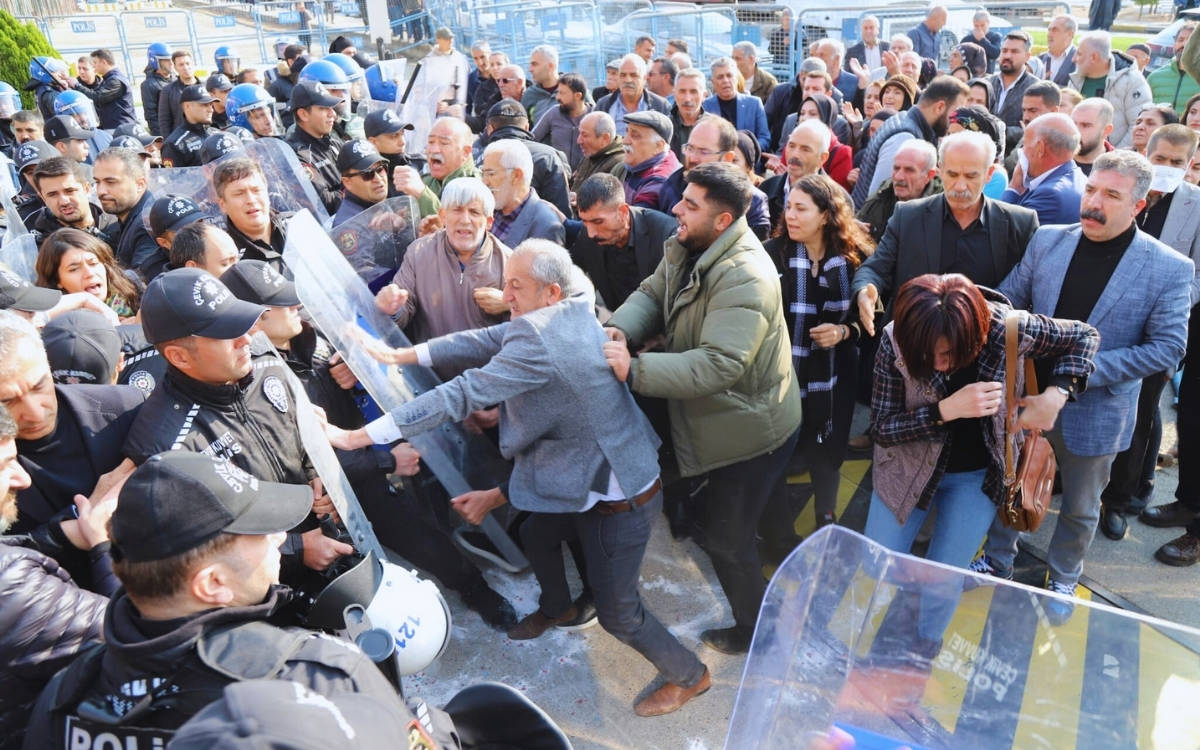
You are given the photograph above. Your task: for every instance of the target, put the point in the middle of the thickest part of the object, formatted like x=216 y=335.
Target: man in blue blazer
x=743 y=110
x=1136 y=292
x=579 y=443
x=1051 y=183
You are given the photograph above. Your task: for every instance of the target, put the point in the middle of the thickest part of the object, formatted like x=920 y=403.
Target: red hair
x=933 y=307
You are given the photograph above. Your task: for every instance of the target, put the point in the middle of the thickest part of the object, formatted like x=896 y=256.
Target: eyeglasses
x=372 y=173
x=705 y=152
x=506 y=80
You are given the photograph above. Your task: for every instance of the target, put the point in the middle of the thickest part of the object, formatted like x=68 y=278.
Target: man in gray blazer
x=507 y=170
x=1136 y=292
x=580 y=445
x=1059 y=58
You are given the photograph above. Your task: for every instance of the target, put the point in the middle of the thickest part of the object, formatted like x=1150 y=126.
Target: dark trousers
x=1188 y=489
x=733 y=503
x=1129 y=488
x=542 y=537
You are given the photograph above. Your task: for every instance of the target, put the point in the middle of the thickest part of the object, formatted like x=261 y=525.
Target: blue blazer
x=750 y=116
x=1142 y=317
x=1056 y=199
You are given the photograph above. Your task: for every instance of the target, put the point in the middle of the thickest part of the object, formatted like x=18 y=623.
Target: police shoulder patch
x=143 y=381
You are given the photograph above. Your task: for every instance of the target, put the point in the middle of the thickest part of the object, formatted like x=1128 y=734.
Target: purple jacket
x=646 y=183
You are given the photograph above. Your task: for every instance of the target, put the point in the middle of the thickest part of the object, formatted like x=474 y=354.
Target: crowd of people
x=660 y=292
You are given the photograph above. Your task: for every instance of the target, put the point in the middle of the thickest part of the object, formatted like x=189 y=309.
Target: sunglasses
x=372 y=173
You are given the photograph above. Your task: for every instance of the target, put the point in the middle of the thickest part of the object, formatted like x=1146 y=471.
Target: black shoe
x=1180 y=552
x=493 y=608
x=1166 y=516
x=585 y=615
x=1113 y=524
x=733 y=640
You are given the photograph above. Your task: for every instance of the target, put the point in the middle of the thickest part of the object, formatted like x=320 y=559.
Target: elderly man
x=924 y=35
x=541 y=97
x=726 y=373
x=1102 y=71
x=450 y=280
x=1059 y=57
x=603 y=150
x=805 y=152
x=649 y=161
x=511 y=81
x=982 y=35
x=364 y=179
x=927 y=120
x=914 y=175
x=1171 y=84
x=660 y=79
x=1010 y=82
x=508 y=120
x=547 y=370
x=1136 y=292
x=714 y=139
x=559 y=126
x=631 y=94
x=760 y=82
x=869 y=48
x=507 y=170
x=485 y=91
x=690 y=92
x=448 y=152
x=832 y=52
x=480 y=51
x=120 y=177
x=1051 y=184
x=743 y=110
x=1094 y=119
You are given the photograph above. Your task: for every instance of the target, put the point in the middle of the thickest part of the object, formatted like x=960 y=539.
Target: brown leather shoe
x=1180 y=552
x=671 y=697
x=535 y=623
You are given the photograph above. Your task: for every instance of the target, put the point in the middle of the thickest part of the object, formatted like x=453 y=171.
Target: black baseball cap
x=196 y=93
x=192 y=302
x=285 y=715
x=31 y=153
x=218 y=82
x=656 y=121
x=357 y=156
x=136 y=130
x=64 y=128
x=257 y=282
x=18 y=294
x=312 y=94
x=82 y=347
x=218 y=144
x=507 y=108
x=178 y=500
x=384 y=121
x=128 y=142
x=172 y=213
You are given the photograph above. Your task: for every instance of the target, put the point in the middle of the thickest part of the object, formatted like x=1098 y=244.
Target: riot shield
x=374 y=241
x=338 y=300
x=18 y=249
x=839 y=660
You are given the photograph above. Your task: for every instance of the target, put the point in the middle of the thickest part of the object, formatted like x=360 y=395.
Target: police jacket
x=45 y=621
x=320 y=156
x=8 y=141
x=550 y=170
x=28 y=203
x=251 y=423
x=149 y=677
x=133 y=244
x=113 y=99
x=182 y=147
x=45 y=94
x=152 y=88
x=268 y=252
x=281 y=89
x=170 y=107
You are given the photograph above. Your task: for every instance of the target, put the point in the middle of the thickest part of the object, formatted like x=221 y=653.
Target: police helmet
x=77 y=106
x=42 y=68
x=10 y=101
x=156 y=53
x=241 y=104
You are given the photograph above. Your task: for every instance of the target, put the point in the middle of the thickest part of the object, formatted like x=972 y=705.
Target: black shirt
x=58 y=464
x=1152 y=219
x=729 y=109
x=1088 y=274
x=967 y=449
x=967 y=251
x=623 y=275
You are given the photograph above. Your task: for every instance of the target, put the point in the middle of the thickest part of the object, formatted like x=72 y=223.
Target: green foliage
x=20 y=42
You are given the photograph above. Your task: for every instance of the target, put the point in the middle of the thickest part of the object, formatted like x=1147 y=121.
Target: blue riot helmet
x=334 y=78
x=42 y=69
x=354 y=73
x=227 y=61
x=78 y=107
x=157 y=54
x=10 y=101
x=251 y=107
x=379 y=88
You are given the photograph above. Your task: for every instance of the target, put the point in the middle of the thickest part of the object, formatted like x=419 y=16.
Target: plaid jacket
x=910 y=436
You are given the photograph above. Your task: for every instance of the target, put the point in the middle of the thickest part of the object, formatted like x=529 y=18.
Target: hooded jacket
x=1126 y=89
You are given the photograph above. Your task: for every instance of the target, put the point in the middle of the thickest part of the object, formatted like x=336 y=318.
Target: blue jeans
x=964 y=513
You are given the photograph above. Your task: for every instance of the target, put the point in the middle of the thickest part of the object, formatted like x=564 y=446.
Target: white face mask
x=1166 y=179
x=1023 y=160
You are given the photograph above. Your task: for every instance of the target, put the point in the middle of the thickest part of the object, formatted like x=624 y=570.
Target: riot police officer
x=313 y=141
x=182 y=147
x=200 y=592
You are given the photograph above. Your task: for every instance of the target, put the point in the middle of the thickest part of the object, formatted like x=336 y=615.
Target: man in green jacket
x=1171 y=84
x=725 y=369
x=448 y=152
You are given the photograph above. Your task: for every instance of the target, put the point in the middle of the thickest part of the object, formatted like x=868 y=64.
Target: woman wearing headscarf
x=899 y=93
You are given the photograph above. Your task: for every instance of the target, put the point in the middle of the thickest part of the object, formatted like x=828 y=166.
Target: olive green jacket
x=431 y=197
x=727 y=366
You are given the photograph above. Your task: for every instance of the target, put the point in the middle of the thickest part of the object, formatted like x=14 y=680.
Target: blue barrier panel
x=289 y=16
x=83 y=27
x=156 y=22
x=554 y=21
x=224 y=22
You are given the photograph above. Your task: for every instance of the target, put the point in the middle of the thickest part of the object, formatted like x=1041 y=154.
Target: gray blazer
x=565 y=420
x=1142 y=317
x=1182 y=229
x=538 y=219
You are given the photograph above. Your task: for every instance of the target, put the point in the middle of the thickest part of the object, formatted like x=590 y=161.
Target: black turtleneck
x=1088 y=274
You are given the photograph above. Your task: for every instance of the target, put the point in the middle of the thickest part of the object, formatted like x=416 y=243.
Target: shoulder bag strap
x=1010 y=395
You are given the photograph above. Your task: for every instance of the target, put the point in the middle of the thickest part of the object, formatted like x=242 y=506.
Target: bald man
x=1048 y=181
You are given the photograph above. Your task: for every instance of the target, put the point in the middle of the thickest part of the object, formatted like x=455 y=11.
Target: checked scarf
x=814 y=365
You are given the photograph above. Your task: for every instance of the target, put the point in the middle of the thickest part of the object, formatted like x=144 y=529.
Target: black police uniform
x=151 y=676
x=182 y=147
x=320 y=156
x=269 y=252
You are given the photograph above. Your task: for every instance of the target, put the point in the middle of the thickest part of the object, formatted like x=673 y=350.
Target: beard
x=1007 y=68
x=8 y=511
x=942 y=125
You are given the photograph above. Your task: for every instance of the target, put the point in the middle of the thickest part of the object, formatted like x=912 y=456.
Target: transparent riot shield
x=374 y=241
x=337 y=299
x=860 y=647
x=420 y=109
x=18 y=250
x=288 y=183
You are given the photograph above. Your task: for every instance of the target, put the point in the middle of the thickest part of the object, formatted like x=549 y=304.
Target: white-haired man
x=519 y=214
x=743 y=110
x=1102 y=71
x=631 y=94
x=760 y=82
